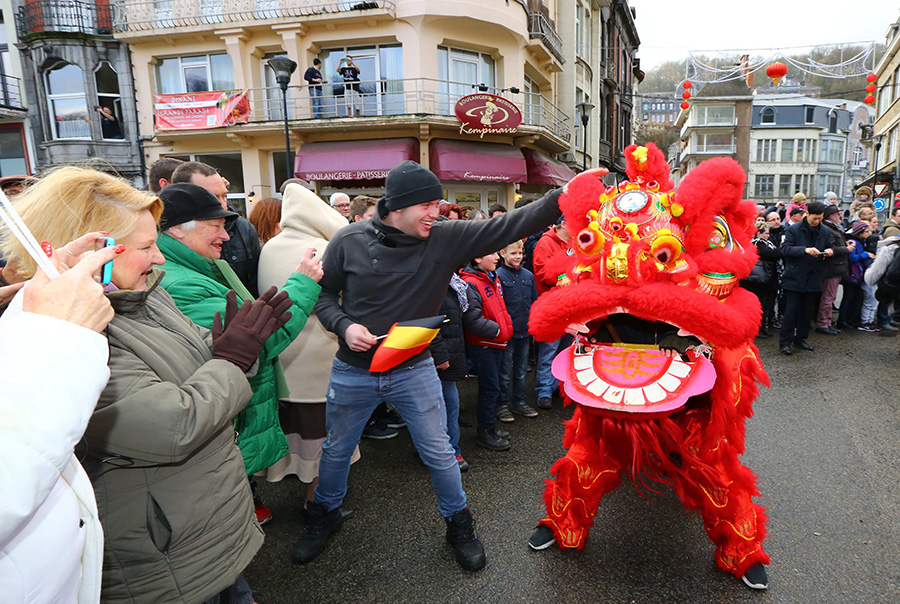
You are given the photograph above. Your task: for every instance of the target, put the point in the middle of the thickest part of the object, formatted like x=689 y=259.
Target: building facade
x=716 y=124
x=659 y=108
x=799 y=144
x=885 y=137
x=415 y=59
x=16 y=143
x=72 y=67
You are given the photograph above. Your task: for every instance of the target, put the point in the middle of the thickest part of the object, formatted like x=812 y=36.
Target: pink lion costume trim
x=664 y=371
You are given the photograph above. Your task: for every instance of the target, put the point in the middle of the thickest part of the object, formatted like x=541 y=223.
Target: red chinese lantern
x=687 y=84
x=776 y=70
x=685 y=105
x=870 y=88
x=869 y=99
x=685 y=95
x=871 y=77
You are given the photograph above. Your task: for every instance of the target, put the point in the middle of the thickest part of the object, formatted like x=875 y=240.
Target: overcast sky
x=669 y=29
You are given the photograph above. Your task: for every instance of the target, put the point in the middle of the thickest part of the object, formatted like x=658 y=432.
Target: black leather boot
x=461 y=536
x=322 y=525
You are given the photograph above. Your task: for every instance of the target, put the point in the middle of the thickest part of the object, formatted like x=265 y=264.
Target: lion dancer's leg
x=583 y=477
x=733 y=521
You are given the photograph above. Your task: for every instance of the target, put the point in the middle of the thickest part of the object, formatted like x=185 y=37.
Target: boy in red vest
x=486 y=302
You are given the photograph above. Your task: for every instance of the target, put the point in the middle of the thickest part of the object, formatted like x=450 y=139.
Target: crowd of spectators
x=824 y=268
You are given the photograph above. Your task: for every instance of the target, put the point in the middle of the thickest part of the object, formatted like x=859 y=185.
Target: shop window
x=381 y=85
x=67 y=102
x=461 y=72
x=197 y=73
x=109 y=101
x=12 y=151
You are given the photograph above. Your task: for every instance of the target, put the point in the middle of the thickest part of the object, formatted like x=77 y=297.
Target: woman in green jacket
x=193 y=224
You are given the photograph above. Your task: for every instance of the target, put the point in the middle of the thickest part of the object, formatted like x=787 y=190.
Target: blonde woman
x=159 y=448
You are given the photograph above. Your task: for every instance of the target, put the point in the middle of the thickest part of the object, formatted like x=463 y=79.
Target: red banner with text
x=201 y=110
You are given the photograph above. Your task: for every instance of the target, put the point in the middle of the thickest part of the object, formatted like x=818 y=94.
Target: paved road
x=825 y=442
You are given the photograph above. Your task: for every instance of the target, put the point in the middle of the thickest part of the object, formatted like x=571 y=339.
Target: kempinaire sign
x=482 y=114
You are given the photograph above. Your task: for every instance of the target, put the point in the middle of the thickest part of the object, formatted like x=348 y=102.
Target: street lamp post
x=283 y=68
x=585 y=109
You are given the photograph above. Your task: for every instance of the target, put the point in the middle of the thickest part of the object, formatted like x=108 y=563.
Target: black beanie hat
x=184 y=201
x=409 y=184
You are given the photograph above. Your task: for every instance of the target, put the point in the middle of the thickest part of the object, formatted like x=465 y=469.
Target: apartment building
x=716 y=124
x=71 y=67
x=659 y=108
x=800 y=144
x=16 y=144
x=416 y=60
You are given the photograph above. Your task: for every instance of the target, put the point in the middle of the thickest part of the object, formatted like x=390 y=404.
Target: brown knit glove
x=247 y=328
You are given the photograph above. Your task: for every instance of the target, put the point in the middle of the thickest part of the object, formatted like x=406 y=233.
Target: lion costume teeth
x=664 y=371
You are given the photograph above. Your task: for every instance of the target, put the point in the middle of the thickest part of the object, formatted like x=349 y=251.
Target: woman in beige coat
x=306 y=221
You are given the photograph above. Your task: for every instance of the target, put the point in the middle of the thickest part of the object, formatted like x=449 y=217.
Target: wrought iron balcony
x=64 y=16
x=384 y=98
x=145 y=15
x=10 y=93
x=541 y=28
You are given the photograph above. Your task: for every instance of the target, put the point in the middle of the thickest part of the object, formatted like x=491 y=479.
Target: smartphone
x=106 y=273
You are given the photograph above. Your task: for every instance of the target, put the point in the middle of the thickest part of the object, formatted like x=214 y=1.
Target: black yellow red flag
x=404 y=340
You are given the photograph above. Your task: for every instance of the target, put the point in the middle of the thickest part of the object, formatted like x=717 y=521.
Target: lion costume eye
x=721 y=235
x=666 y=249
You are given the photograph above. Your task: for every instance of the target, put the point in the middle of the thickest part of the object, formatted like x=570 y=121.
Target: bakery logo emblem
x=482 y=114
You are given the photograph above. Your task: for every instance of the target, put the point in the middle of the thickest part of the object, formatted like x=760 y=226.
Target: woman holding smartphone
x=159 y=448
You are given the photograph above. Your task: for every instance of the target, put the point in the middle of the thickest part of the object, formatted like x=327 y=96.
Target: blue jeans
x=451 y=402
x=487 y=362
x=545 y=383
x=315 y=93
x=883 y=314
x=515 y=364
x=415 y=392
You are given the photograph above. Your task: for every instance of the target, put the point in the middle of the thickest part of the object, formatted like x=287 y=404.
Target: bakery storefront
x=474 y=173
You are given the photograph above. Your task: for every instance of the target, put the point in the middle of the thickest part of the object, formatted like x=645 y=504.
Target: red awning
x=481 y=162
x=544 y=170
x=353 y=160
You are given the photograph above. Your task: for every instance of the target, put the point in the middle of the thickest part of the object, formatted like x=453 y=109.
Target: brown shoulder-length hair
x=266 y=216
x=446 y=208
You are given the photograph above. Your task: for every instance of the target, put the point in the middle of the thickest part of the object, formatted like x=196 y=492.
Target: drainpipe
x=137 y=122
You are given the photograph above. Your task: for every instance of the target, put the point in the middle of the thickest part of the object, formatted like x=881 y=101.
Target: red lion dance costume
x=663 y=370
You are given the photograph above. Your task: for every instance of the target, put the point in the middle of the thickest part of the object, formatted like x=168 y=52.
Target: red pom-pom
x=685 y=95
x=869 y=99
x=687 y=84
x=870 y=88
x=871 y=77
x=685 y=105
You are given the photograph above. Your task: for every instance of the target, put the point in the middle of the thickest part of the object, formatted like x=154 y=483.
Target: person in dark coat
x=776 y=236
x=806 y=245
x=837 y=266
x=449 y=352
x=763 y=279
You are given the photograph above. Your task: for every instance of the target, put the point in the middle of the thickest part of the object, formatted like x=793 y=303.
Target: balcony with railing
x=11 y=93
x=542 y=28
x=40 y=17
x=142 y=16
x=383 y=103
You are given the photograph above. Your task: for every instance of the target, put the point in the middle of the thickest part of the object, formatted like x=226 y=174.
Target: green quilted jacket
x=199 y=285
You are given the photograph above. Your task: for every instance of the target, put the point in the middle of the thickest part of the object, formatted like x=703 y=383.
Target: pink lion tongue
x=632 y=380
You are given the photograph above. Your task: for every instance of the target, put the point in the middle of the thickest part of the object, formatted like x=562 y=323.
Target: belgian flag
x=405 y=340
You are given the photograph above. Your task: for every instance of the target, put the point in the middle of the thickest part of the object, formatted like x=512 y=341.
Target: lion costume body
x=663 y=370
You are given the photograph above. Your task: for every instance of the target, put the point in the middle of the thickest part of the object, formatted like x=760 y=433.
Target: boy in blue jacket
x=520 y=292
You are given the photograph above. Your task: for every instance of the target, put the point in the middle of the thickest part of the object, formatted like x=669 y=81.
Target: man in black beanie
x=397 y=267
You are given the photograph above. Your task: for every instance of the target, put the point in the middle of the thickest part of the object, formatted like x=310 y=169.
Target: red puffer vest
x=493 y=307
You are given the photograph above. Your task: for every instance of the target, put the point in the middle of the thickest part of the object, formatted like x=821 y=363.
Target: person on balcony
x=350 y=72
x=313 y=77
